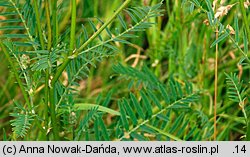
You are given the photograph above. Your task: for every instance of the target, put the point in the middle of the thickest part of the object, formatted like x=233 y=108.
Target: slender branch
x=73 y=27
x=38 y=24
x=115 y=37
x=72 y=43
x=47 y=70
x=51 y=92
x=103 y=26
x=54 y=21
x=216 y=84
x=38 y=124
x=16 y=74
x=72 y=37
x=46 y=103
x=156 y=112
x=239 y=48
x=48 y=24
x=25 y=75
x=55 y=128
x=163 y=132
x=230 y=36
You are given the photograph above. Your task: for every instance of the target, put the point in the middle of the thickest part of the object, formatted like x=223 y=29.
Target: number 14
x=240 y=149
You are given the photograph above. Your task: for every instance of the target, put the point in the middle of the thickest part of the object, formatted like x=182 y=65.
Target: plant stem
x=26 y=98
x=54 y=21
x=77 y=51
x=44 y=137
x=156 y=112
x=72 y=36
x=216 y=84
x=67 y=60
x=73 y=26
x=64 y=22
x=103 y=26
x=38 y=24
x=48 y=24
x=49 y=32
x=55 y=128
x=164 y=133
x=72 y=44
x=46 y=99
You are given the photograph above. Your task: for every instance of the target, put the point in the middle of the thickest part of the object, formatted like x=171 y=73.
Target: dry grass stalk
x=223 y=10
x=232 y=31
x=246 y=4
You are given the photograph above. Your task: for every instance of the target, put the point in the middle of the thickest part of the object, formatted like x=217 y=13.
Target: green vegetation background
x=176 y=47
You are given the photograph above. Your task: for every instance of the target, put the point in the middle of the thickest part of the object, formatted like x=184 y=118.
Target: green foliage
x=22 y=122
x=235 y=91
x=24 y=20
x=34 y=60
x=84 y=124
x=148 y=114
x=64 y=66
